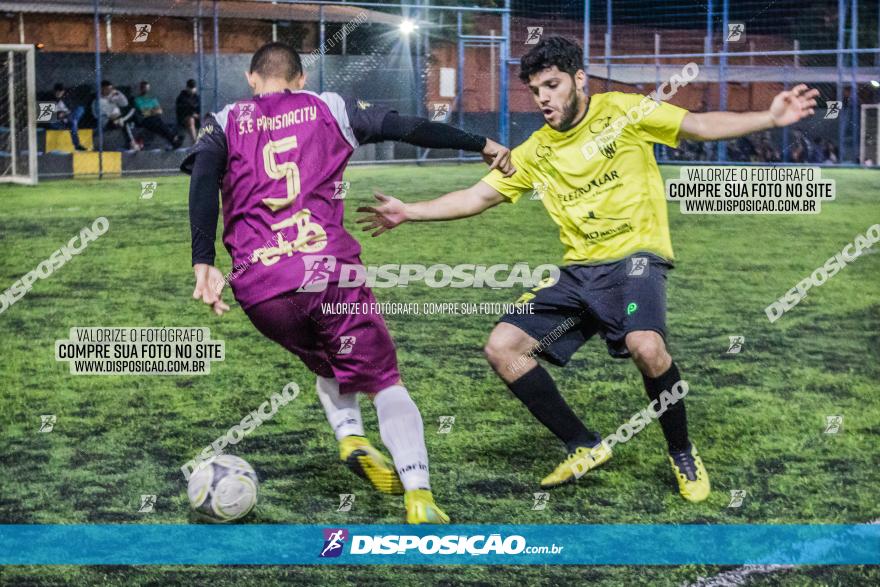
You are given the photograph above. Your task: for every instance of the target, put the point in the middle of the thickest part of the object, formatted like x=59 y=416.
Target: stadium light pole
x=98 y=90
x=853 y=84
x=608 y=25
x=841 y=18
x=710 y=14
x=459 y=79
x=504 y=119
x=322 y=33
x=216 y=56
x=587 y=46
x=722 y=72
x=200 y=47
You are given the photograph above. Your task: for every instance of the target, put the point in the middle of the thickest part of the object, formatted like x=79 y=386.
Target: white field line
x=740 y=575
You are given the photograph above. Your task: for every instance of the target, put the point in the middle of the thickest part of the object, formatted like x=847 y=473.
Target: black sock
x=538 y=392
x=674 y=420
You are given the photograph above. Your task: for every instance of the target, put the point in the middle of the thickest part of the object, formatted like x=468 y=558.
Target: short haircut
x=59 y=86
x=278 y=60
x=105 y=83
x=566 y=55
x=190 y=83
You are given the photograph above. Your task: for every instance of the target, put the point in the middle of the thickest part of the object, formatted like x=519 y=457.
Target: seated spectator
x=115 y=112
x=149 y=116
x=67 y=118
x=188 y=109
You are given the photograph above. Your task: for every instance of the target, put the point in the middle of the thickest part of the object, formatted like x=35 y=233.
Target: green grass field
x=758 y=416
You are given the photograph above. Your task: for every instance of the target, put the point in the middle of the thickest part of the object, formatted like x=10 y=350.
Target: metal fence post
x=722 y=73
x=98 y=91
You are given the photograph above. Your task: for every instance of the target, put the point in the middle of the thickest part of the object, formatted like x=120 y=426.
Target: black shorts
x=611 y=300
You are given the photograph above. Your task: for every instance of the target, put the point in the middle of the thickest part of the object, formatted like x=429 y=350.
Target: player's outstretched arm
x=787 y=108
x=391 y=212
x=371 y=124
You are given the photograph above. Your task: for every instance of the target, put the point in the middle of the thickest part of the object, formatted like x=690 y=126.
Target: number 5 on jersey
x=288 y=170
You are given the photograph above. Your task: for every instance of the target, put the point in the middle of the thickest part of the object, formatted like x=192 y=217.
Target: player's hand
x=209 y=287
x=498 y=157
x=793 y=105
x=386 y=215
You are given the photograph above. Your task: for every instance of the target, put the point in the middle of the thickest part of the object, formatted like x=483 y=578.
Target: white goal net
x=18 y=117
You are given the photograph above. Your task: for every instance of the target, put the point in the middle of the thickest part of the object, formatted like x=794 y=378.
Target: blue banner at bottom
x=147 y=544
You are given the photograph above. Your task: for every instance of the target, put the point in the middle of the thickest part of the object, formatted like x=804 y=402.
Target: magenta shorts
x=337 y=332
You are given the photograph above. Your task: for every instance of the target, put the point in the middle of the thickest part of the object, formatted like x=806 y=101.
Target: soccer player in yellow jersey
x=607 y=197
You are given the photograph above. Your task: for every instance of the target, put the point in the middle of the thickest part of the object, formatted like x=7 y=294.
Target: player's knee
x=649 y=352
x=505 y=345
x=495 y=351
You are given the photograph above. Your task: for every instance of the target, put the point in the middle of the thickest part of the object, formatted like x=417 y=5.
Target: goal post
x=18 y=115
x=869 y=141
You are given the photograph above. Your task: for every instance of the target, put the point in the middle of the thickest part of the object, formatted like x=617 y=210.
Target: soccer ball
x=223 y=488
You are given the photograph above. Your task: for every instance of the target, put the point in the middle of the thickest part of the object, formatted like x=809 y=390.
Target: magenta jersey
x=282 y=208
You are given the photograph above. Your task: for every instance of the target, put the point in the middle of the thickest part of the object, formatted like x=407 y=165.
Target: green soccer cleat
x=366 y=461
x=579 y=462
x=421 y=509
x=693 y=480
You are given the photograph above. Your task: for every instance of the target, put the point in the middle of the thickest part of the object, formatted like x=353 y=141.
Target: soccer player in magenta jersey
x=608 y=201
x=278 y=159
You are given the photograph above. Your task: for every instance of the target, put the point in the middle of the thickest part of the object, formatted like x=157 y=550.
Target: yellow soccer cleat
x=579 y=462
x=421 y=509
x=366 y=461
x=693 y=480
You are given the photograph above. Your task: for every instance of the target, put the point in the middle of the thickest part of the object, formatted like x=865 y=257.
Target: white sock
x=400 y=425
x=342 y=409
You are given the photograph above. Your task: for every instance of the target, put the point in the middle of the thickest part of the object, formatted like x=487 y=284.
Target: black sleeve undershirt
x=424 y=133
x=204 y=204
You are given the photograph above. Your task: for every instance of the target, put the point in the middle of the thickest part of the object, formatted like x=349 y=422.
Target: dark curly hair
x=567 y=55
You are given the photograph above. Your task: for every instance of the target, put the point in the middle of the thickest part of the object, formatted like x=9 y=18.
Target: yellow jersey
x=606 y=196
